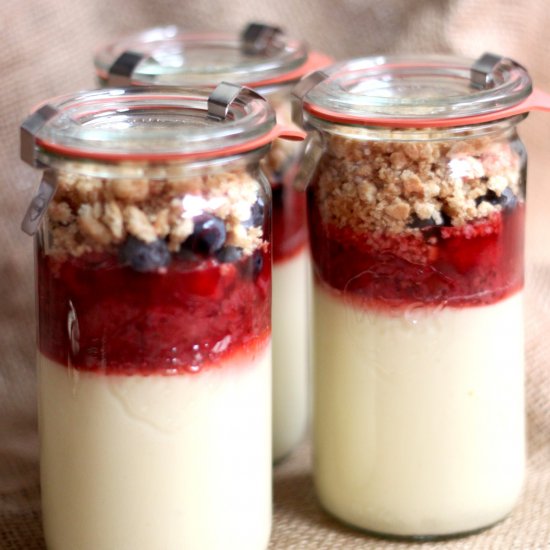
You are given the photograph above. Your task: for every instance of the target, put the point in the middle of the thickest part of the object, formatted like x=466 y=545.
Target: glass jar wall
x=417 y=246
x=154 y=328
x=418 y=424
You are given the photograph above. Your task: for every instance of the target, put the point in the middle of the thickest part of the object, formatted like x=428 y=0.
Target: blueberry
x=143 y=256
x=418 y=223
x=229 y=254
x=447 y=220
x=256 y=214
x=507 y=199
x=257 y=261
x=208 y=236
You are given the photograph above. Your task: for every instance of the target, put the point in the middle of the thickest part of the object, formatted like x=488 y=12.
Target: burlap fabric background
x=46 y=50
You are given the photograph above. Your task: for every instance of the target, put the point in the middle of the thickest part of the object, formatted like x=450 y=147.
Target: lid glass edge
x=398 y=89
x=151 y=124
x=255 y=70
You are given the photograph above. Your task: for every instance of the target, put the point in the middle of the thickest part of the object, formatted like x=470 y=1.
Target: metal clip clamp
x=121 y=71
x=482 y=71
x=48 y=184
x=39 y=202
x=299 y=92
x=224 y=95
x=258 y=38
x=28 y=131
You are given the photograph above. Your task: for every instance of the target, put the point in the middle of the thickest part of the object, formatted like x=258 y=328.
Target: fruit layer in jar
x=140 y=276
x=437 y=223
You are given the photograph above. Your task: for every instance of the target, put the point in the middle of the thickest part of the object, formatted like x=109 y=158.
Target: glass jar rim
x=171 y=56
x=149 y=124
x=421 y=91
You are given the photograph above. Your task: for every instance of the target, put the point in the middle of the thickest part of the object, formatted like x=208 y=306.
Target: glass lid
x=412 y=90
x=171 y=56
x=149 y=123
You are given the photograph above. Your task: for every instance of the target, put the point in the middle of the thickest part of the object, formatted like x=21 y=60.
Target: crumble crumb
x=112 y=217
x=91 y=227
x=138 y=224
x=132 y=190
x=61 y=213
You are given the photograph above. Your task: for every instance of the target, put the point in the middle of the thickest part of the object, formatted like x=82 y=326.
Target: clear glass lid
x=416 y=88
x=149 y=123
x=172 y=56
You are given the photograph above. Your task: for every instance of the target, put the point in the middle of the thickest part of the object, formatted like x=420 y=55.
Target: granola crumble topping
x=94 y=214
x=392 y=186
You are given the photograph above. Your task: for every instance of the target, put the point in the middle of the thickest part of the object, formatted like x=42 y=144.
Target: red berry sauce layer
x=289 y=218
x=478 y=263
x=98 y=315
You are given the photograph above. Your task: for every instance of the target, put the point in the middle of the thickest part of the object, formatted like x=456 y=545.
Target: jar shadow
x=297 y=512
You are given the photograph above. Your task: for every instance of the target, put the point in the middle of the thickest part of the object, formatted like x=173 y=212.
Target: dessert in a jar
x=153 y=250
x=416 y=218
x=271 y=62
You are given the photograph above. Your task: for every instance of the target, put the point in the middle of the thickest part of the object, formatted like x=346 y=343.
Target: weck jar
x=266 y=59
x=416 y=218
x=153 y=276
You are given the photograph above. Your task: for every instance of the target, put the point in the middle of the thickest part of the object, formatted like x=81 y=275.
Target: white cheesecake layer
x=156 y=462
x=418 y=418
x=290 y=362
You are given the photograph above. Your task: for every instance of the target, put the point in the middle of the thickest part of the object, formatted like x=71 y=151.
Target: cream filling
x=290 y=362
x=419 y=417
x=156 y=462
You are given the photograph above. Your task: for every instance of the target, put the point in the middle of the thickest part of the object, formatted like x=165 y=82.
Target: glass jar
x=416 y=219
x=154 y=334
x=270 y=62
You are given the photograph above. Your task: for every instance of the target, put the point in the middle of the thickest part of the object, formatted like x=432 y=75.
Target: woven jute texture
x=46 y=50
